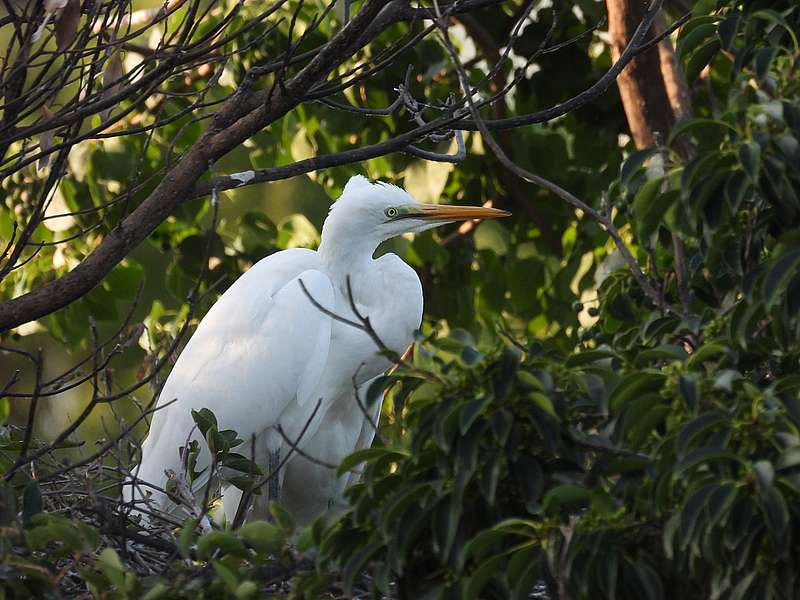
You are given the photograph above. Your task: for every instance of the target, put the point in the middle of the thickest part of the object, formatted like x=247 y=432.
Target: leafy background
x=557 y=432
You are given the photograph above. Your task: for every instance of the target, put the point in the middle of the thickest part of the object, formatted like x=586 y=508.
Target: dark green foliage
x=660 y=458
x=639 y=473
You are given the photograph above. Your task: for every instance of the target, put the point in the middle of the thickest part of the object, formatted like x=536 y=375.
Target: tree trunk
x=655 y=97
x=653 y=90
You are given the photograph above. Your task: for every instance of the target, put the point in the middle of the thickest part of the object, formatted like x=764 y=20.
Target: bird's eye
x=391 y=212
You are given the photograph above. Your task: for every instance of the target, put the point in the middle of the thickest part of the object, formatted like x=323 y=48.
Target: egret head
x=375 y=212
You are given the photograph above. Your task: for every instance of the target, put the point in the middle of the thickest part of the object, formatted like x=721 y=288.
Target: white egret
x=265 y=356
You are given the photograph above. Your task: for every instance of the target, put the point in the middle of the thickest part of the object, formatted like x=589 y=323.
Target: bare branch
x=460 y=154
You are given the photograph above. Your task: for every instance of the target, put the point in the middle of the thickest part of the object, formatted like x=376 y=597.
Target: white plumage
x=264 y=355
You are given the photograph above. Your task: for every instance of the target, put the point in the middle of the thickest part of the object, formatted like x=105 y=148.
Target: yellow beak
x=442 y=212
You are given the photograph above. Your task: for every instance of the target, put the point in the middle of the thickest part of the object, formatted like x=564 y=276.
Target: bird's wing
x=255 y=353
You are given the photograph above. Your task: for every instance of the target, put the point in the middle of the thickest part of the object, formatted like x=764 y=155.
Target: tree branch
x=236 y=121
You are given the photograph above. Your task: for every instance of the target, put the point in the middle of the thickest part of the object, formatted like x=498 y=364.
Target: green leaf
x=446 y=519
x=178 y=282
x=649 y=206
x=649 y=581
x=204 y=419
x=157 y=592
x=698 y=126
x=668 y=535
x=282 y=516
x=31 y=502
x=704 y=456
x=706 y=352
x=607 y=574
x=296 y=231
x=765 y=475
x=589 y=356
x=779 y=275
x=481 y=576
x=377 y=389
x=48 y=528
x=246 y=589
x=264 y=537
x=744 y=320
x=652 y=413
x=490 y=477
x=727 y=30
x=356 y=564
x=238 y=462
x=775 y=17
x=8 y=505
x=694 y=428
x=633 y=163
x=215 y=441
x=224 y=542
x=687 y=385
x=257 y=233
x=739 y=592
x=468 y=446
x=691 y=512
x=227 y=574
x=776 y=512
x=750 y=157
x=5 y=410
x=101 y=304
x=763 y=60
x=186 y=537
x=124 y=279
x=469 y=412
x=502 y=422
x=669 y=352
x=700 y=59
x=480 y=545
x=789 y=459
x=111 y=566
x=368 y=455
x=564 y=494
x=700 y=18
x=529 y=473
x=523 y=571
x=397 y=506
x=491 y=235
x=720 y=503
x=543 y=402
x=689 y=42
x=792 y=406
x=470 y=356
x=633 y=385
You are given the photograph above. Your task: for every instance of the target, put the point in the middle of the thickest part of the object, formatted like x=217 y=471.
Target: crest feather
x=355 y=182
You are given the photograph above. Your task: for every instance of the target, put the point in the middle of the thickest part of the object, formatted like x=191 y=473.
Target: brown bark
x=653 y=90
x=674 y=82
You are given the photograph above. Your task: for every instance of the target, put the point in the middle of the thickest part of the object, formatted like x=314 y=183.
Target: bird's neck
x=352 y=259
